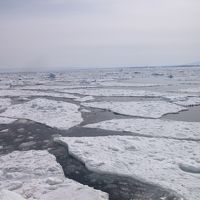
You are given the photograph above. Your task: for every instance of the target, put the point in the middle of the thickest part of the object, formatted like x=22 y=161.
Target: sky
x=63 y=34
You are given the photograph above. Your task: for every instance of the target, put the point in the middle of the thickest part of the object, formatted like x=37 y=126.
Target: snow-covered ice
x=9 y=195
x=151 y=109
x=153 y=160
x=152 y=127
x=56 y=114
x=35 y=175
x=4 y=103
x=191 y=90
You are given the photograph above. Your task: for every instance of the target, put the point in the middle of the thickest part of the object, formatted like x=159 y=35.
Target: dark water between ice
x=190 y=115
x=31 y=135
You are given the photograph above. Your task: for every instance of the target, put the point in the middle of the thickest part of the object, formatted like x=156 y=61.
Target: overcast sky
x=61 y=34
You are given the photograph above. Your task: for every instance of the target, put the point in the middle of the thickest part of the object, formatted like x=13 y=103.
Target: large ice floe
x=35 y=175
x=58 y=114
x=151 y=109
x=4 y=103
x=152 y=127
x=172 y=164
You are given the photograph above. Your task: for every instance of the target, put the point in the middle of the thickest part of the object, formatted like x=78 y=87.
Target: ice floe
x=35 y=175
x=190 y=101
x=154 y=160
x=9 y=195
x=152 y=127
x=83 y=99
x=151 y=109
x=4 y=103
x=56 y=114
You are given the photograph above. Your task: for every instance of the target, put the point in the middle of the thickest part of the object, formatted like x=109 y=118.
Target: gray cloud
x=85 y=33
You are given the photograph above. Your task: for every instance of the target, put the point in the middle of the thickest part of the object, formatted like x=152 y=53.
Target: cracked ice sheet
x=27 y=93
x=152 y=160
x=35 y=175
x=152 y=109
x=58 y=114
x=152 y=127
x=4 y=103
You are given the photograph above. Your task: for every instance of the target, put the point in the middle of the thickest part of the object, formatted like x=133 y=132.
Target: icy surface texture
x=36 y=175
x=4 y=103
x=153 y=160
x=58 y=114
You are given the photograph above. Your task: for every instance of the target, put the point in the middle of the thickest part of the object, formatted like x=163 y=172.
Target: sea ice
x=190 y=101
x=153 y=160
x=83 y=99
x=4 y=103
x=191 y=90
x=151 y=109
x=56 y=114
x=152 y=127
x=28 y=93
x=35 y=175
x=9 y=195
x=112 y=92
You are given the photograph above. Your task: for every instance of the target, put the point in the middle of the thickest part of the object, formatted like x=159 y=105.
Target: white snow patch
x=152 y=160
x=56 y=114
x=35 y=175
x=9 y=195
x=152 y=109
x=152 y=127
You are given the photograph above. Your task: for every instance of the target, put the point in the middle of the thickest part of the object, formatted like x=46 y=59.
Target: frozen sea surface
x=169 y=163
x=164 y=152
